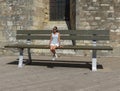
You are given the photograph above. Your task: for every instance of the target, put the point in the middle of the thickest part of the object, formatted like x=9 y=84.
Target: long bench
x=94 y=36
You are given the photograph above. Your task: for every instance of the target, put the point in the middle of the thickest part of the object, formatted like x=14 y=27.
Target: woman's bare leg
x=52 y=49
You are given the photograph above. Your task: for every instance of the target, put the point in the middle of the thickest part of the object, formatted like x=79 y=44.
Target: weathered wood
x=29 y=61
x=65 y=34
x=75 y=37
x=81 y=47
x=83 y=32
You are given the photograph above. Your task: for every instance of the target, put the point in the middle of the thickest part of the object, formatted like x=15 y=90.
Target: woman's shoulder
x=58 y=32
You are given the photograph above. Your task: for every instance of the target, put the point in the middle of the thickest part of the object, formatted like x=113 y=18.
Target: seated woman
x=54 y=41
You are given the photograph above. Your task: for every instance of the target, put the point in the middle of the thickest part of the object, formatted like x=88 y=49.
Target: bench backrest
x=65 y=34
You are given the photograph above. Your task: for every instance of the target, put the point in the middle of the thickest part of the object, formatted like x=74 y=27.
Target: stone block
x=97 y=18
x=94 y=0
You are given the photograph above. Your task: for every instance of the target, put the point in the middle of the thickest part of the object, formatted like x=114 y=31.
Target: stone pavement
x=69 y=77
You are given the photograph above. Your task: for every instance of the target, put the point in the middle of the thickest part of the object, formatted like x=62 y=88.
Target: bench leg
x=29 y=57
x=20 y=64
x=94 y=61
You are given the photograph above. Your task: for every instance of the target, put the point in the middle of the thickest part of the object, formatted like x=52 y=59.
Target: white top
x=55 y=38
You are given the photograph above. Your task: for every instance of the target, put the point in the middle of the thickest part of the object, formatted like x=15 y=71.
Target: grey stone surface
x=37 y=77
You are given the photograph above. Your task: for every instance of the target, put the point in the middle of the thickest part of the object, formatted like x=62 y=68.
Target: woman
x=54 y=41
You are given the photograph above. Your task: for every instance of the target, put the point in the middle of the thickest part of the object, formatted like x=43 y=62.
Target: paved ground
x=75 y=76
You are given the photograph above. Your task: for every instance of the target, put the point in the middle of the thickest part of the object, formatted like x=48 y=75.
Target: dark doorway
x=59 y=10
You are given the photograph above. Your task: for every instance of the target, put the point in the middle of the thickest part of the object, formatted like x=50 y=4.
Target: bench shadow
x=59 y=63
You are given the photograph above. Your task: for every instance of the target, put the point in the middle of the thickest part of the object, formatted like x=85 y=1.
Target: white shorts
x=54 y=45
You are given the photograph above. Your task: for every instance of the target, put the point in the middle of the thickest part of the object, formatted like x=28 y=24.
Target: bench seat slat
x=83 y=32
x=80 y=37
x=25 y=32
x=85 y=47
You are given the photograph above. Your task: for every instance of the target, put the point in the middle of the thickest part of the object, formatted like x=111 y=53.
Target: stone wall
x=20 y=15
x=34 y=14
x=100 y=15
x=41 y=13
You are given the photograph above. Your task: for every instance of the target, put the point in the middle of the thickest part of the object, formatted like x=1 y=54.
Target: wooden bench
x=90 y=35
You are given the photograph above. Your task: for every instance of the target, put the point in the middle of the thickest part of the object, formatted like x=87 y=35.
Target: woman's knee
x=52 y=49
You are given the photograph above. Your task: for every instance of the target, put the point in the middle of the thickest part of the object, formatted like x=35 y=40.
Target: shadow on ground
x=59 y=63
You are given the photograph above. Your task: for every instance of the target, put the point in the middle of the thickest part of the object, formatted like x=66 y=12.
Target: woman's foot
x=56 y=56
x=53 y=57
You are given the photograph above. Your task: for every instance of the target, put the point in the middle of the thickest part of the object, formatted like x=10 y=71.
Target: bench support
x=94 y=57
x=20 y=64
x=29 y=61
x=94 y=61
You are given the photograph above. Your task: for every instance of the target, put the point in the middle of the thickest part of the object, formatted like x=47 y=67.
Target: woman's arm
x=50 y=39
x=59 y=38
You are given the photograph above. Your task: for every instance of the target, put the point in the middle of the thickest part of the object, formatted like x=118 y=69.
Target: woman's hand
x=60 y=46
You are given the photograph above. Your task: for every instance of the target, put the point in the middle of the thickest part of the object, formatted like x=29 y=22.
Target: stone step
x=60 y=24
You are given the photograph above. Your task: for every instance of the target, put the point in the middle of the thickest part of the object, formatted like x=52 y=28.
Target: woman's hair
x=55 y=27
